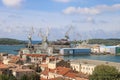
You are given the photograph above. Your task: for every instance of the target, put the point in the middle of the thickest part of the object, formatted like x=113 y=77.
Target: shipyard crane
x=88 y=38
x=78 y=35
x=44 y=37
x=67 y=33
x=31 y=32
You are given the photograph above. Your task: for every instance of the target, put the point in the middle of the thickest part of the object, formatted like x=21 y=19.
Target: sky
x=88 y=18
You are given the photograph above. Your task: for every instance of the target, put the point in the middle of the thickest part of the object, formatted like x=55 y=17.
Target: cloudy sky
x=89 y=18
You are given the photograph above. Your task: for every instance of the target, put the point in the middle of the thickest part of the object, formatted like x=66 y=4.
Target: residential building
x=19 y=72
x=87 y=68
x=50 y=59
x=75 y=66
x=43 y=66
x=4 y=69
x=53 y=73
x=82 y=67
x=34 y=58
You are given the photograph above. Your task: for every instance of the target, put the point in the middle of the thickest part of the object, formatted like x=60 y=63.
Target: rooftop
x=44 y=65
x=19 y=69
x=36 y=55
x=70 y=75
x=3 y=66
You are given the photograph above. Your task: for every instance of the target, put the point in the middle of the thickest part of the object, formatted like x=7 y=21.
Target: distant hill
x=105 y=41
x=8 y=41
x=114 y=39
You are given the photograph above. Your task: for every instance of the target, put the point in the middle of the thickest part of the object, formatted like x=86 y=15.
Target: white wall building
x=83 y=67
x=108 y=49
x=52 y=65
x=76 y=66
x=6 y=61
x=87 y=68
x=95 y=49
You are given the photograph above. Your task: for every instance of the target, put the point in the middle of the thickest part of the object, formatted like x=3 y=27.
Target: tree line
x=8 y=41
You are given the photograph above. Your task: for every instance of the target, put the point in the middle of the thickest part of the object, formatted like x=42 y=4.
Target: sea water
x=13 y=49
x=111 y=58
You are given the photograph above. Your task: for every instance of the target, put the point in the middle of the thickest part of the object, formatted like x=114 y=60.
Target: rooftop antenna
x=31 y=32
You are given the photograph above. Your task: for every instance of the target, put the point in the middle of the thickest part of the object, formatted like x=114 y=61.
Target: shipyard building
x=75 y=51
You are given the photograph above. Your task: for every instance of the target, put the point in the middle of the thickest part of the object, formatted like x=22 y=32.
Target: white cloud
x=70 y=10
x=12 y=3
x=64 y=1
x=90 y=19
x=7 y=30
x=92 y=10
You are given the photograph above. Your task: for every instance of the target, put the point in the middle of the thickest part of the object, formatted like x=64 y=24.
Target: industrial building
x=110 y=49
x=75 y=51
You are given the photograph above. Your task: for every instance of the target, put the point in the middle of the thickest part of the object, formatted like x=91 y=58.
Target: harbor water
x=13 y=49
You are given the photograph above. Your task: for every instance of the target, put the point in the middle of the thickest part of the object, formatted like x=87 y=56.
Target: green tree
x=105 y=72
x=4 y=77
x=12 y=77
x=7 y=77
x=24 y=77
x=34 y=77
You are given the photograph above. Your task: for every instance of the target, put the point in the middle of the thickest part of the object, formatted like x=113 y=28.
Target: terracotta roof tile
x=70 y=75
x=3 y=66
x=51 y=79
x=22 y=70
x=43 y=79
x=59 y=70
x=36 y=55
x=44 y=65
x=62 y=70
x=45 y=72
x=1 y=62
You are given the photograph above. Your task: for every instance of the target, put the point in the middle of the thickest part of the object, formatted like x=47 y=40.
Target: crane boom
x=67 y=33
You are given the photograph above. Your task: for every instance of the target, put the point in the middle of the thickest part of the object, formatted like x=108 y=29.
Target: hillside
x=8 y=41
x=105 y=41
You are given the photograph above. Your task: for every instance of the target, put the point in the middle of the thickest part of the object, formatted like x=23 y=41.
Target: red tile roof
x=15 y=57
x=45 y=72
x=50 y=79
x=55 y=78
x=3 y=66
x=44 y=65
x=78 y=78
x=36 y=55
x=58 y=70
x=1 y=62
x=62 y=70
x=43 y=79
x=70 y=75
